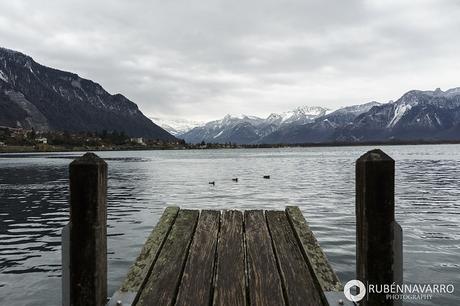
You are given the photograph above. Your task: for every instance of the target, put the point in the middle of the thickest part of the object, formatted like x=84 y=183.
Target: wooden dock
x=229 y=257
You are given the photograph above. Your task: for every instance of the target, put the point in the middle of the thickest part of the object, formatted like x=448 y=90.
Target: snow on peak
x=176 y=126
x=452 y=92
x=8 y=51
x=438 y=92
x=273 y=116
x=310 y=110
x=240 y=117
x=218 y=134
x=232 y=119
x=358 y=109
x=3 y=76
x=399 y=111
x=302 y=114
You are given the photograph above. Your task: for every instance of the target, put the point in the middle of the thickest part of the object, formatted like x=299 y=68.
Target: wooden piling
x=88 y=231
x=375 y=207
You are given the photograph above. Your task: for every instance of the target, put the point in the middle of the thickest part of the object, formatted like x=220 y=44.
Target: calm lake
x=34 y=207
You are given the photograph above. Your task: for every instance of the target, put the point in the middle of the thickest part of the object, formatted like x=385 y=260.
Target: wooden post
x=375 y=207
x=88 y=231
x=65 y=257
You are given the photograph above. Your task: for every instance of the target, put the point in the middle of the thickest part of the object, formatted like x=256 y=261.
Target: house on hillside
x=138 y=140
x=41 y=140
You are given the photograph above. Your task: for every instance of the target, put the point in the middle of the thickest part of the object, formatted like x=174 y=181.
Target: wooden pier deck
x=229 y=257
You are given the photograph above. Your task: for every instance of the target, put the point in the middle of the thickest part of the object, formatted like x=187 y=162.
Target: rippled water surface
x=34 y=208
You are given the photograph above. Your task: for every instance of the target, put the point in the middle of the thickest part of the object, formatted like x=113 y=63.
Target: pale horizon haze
x=201 y=60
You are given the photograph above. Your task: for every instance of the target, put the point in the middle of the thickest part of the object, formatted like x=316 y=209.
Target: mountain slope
x=43 y=98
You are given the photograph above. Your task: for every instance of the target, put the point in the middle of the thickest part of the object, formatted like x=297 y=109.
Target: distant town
x=14 y=140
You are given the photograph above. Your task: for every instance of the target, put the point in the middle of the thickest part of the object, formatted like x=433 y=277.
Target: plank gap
x=264 y=280
x=246 y=266
x=216 y=262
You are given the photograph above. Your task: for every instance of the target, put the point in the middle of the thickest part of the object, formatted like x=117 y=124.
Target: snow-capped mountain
x=428 y=115
x=176 y=126
x=43 y=98
x=249 y=129
x=347 y=114
x=300 y=115
x=231 y=128
x=321 y=128
x=417 y=115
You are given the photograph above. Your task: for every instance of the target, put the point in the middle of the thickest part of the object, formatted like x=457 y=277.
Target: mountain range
x=47 y=99
x=243 y=129
x=416 y=116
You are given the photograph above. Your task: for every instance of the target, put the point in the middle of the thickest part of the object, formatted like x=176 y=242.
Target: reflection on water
x=34 y=195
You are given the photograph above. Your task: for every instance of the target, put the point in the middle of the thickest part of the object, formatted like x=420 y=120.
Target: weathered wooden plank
x=263 y=276
x=295 y=274
x=319 y=265
x=196 y=284
x=163 y=282
x=230 y=289
x=137 y=275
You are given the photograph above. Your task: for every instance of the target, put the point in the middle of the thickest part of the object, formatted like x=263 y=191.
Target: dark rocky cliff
x=39 y=97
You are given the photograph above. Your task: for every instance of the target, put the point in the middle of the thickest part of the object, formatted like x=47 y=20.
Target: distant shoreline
x=357 y=144
x=57 y=149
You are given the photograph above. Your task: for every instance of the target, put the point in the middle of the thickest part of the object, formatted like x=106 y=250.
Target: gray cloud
x=203 y=59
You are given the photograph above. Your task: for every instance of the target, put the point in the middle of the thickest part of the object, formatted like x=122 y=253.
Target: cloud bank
x=203 y=59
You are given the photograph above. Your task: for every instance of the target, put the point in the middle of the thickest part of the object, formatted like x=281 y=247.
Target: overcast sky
x=206 y=58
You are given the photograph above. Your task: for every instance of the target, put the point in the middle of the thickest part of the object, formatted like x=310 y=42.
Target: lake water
x=34 y=207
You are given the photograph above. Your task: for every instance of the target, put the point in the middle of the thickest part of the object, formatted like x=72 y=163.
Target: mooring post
x=88 y=231
x=376 y=261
